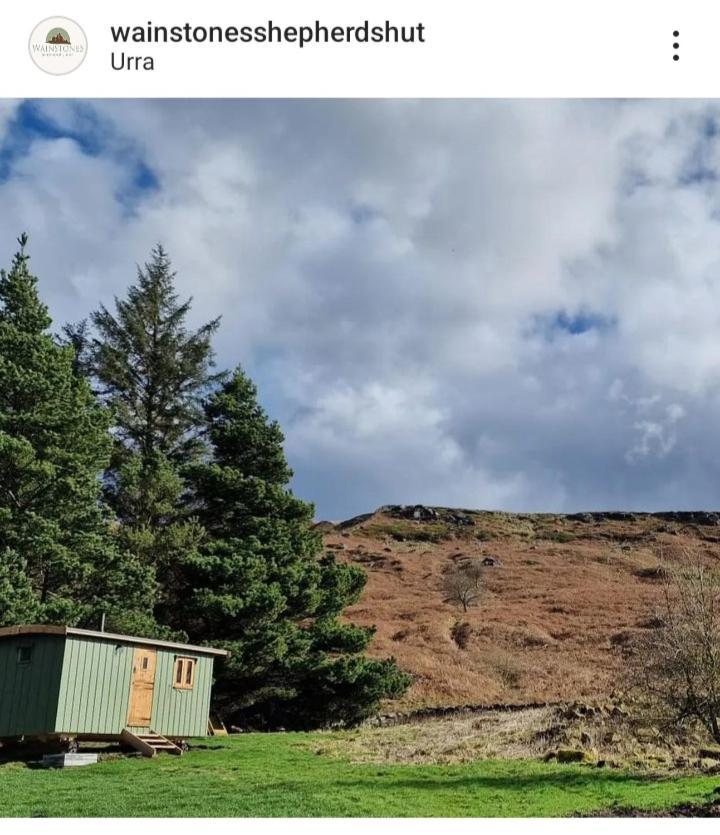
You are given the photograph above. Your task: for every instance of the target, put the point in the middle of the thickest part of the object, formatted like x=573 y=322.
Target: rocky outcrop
x=356 y=520
x=469 y=518
x=709 y=518
x=423 y=513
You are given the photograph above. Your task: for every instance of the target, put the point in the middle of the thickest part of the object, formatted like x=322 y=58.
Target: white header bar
x=322 y=48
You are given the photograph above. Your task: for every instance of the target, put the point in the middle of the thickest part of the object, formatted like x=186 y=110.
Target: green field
x=282 y=775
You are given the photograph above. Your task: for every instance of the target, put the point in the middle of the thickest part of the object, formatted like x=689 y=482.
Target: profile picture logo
x=58 y=45
x=58 y=35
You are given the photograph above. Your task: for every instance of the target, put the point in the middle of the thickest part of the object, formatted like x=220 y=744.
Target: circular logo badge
x=58 y=45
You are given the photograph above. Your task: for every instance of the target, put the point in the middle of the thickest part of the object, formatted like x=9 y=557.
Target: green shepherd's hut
x=60 y=685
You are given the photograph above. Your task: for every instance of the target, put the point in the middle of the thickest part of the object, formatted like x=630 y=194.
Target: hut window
x=184 y=678
x=24 y=655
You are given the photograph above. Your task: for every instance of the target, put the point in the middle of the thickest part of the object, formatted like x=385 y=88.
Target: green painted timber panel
x=181 y=713
x=95 y=686
x=29 y=691
x=80 y=685
x=95 y=691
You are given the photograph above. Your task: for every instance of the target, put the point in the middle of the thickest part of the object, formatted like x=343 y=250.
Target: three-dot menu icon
x=676 y=45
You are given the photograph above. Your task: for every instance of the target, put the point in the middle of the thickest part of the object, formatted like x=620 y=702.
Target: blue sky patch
x=562 y=323
x=93 y=136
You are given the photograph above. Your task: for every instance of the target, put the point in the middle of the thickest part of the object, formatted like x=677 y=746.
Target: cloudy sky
x=473 y=303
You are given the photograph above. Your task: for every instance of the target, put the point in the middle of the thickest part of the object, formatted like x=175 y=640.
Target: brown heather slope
x=569 y=593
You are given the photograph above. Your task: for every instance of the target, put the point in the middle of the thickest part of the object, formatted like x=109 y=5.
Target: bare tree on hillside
x=462 y=584
x=677 y=665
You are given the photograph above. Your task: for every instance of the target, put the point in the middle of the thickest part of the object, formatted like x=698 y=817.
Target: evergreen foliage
x=201 y=537
x=58 y=562
x=258 y=586
x=151 y=370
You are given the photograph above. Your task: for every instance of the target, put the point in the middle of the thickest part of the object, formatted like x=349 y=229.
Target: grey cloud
x=381 y=268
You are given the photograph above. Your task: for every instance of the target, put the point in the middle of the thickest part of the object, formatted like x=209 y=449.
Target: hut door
x=142 y=687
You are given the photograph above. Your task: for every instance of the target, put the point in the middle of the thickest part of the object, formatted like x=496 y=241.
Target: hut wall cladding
x=29 y=692
x=95 y=691
x=181 y=712
x=95 y=687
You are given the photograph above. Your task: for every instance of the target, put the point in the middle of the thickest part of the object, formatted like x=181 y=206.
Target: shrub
x=676 y=666
x=462 y=584
x=461 y=632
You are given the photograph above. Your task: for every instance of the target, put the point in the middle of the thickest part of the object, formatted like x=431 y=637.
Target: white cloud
x=656 y=437
x=393 y=274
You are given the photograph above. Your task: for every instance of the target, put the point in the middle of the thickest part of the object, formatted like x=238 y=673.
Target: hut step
x=216 y=727
x=149 y=744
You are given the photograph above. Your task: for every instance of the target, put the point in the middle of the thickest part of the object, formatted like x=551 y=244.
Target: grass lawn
x=282 y=775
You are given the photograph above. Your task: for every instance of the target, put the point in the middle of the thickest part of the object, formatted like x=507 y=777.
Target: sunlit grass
x=283 y=775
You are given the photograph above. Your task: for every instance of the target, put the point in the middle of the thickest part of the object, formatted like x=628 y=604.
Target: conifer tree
x=152 y=372
x=259 y=586
x=57 y=561
x=18 y=602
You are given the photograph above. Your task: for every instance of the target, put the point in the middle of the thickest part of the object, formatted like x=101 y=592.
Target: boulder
x=580 y=517
x=459 y=518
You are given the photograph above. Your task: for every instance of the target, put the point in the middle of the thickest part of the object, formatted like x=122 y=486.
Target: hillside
x=566 y=593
